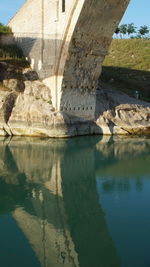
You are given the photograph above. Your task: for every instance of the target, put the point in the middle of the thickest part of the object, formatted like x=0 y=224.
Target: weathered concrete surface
x=88 y=46
x=67 y=48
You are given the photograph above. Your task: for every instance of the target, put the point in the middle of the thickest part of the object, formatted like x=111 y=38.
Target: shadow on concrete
x=42 y=54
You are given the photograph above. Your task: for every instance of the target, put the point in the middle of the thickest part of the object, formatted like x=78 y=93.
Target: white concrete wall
x=38 y=23
x=39 y=28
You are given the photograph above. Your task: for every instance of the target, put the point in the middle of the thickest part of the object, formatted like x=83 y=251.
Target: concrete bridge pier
x=66 y=42
x=88 y=46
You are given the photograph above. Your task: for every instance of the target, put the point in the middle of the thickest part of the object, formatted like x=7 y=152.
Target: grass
x=10 y=51
x=129 y=53
x=127 y=67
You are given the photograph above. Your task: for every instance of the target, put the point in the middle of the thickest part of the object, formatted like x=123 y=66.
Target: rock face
x=118 y=113
x=26 y=109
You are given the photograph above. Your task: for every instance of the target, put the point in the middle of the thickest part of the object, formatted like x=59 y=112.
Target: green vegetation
x=130 y=28
x=12 y=54
x=129 y=53
x=50 y=102
x=4 y=29
x=143 y=30
x=127 y=67
x=10 y=51
x=123 y=28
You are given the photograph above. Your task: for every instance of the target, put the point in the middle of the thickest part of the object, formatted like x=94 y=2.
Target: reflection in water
x=69 y=198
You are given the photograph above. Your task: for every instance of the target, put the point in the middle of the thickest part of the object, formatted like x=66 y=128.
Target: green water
x=76 y=202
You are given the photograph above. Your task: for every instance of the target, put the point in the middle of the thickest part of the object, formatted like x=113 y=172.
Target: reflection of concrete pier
x=42 y=218
x=46 y=230
x=58 y=209
x=52 y=246
x=86 y=219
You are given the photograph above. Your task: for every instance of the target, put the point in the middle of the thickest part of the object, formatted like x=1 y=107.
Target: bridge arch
x=66 y=42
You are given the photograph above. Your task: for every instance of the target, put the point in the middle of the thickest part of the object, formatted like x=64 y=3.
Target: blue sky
x=137 y=12
x=8 y=8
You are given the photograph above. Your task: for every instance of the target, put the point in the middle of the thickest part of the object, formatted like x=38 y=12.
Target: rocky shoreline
x=26 y=110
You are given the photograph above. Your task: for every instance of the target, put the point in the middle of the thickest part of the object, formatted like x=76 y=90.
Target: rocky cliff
x=26 y=109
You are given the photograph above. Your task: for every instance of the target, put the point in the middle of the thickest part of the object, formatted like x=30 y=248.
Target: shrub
x=5 y=29
x=10 y=51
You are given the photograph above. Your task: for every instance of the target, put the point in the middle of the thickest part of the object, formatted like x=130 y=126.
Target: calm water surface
x=77 y=202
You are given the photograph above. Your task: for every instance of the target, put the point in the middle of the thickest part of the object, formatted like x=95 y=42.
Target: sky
x=138 y=11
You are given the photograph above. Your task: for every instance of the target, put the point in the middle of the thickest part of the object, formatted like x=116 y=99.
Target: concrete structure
x=66 y=42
